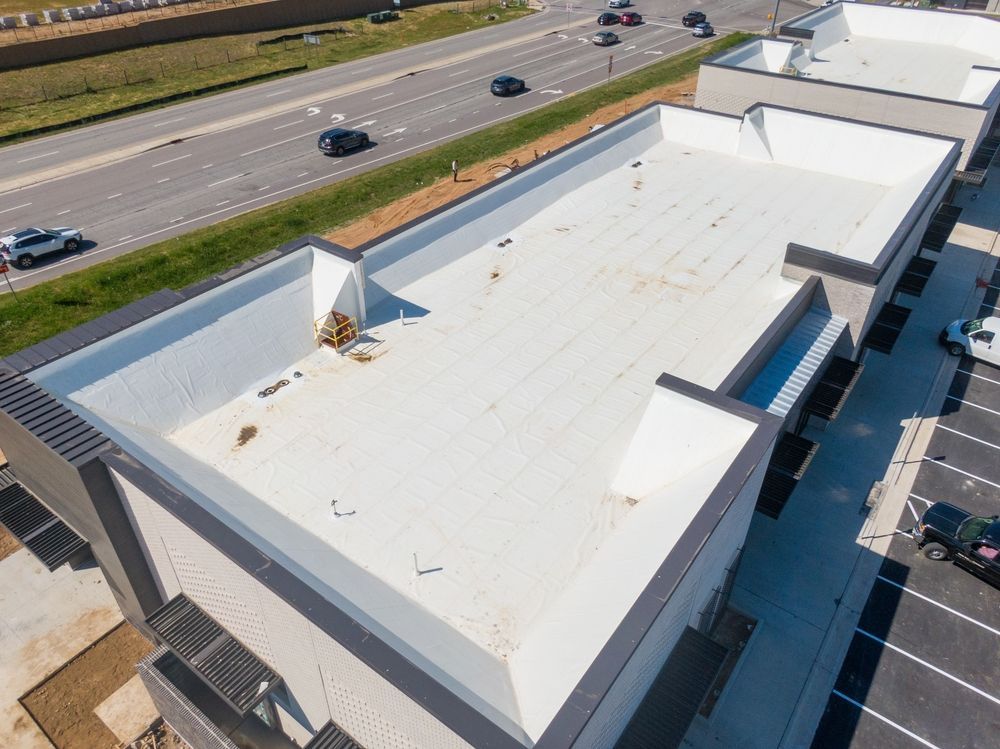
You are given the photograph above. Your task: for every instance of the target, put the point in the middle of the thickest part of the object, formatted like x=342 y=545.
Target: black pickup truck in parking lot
x=949 y=532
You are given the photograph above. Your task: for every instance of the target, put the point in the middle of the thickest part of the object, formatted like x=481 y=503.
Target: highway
x=139 y=180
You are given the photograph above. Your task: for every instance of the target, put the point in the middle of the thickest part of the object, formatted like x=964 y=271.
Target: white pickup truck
x=977 y=338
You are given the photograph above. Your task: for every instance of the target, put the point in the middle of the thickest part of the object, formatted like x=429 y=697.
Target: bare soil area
x=473 y=176
x=63 y=705
x=8 y=544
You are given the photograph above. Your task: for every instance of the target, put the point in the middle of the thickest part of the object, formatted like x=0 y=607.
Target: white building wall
x=323 y=678
x=705 y=574
x=733 y=91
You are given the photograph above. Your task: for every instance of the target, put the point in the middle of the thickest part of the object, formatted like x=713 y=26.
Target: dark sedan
x=608 y=19
x=338 y=141
x=505 y=85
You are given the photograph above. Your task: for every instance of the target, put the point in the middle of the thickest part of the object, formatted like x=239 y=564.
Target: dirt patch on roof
x=474 y=176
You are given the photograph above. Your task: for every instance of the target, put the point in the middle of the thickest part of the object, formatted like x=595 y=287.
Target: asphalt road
x=139 y=180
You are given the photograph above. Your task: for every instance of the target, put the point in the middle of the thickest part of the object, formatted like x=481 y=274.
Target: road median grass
x=46 y=309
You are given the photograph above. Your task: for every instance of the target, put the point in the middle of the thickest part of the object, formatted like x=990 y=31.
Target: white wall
x=324 y=679
x=706 y=573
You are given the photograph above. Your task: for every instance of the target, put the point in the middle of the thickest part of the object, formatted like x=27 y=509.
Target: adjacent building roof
x=492 y=478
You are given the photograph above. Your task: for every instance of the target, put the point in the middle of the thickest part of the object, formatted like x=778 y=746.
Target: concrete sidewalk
x=806 y=576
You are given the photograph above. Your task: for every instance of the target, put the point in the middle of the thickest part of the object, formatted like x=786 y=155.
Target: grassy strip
x=63 y=303
x=51 y=94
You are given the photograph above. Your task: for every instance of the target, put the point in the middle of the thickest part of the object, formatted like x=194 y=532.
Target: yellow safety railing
x=336 y=329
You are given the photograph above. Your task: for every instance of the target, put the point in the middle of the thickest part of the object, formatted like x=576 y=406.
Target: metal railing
x=336 y=329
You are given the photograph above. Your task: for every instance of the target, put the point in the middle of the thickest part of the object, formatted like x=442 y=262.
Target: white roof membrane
x=507 y=438
x=941 y=55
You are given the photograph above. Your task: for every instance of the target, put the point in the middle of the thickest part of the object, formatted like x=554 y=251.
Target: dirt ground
x=8 y=544
x=63 y=705
x=476 y=175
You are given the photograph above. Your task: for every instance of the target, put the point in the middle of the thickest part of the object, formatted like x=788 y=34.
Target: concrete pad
x=45 y=619
x=129 y=711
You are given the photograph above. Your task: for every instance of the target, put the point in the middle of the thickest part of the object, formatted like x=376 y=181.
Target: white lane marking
x=908 y=534
x=39 y=156
x=931 y=666
x=169 y=122
x=301 y=175
x=222 y=203
x=978 y=376
x=454 y=120
x=885 y=720
x=288 y=124
x=974 y=405
x=277 y=93
x=9 y=228
x=927 y=502
x=8 y=210
x=175 y=220
x=912 y=509
x=383 y=96
x=968 y=436
x=227 y=179
x=931 y=601
x=452 y=75
x=313 y=111
x=425 y=131
x=62 y=213
x=265 y=187
x=526 y=52
x=112 y=197
x=170 y=161
x=273 y=145
x=161 y=181
x=127 y=236
x=959 y=470
x=207 y=166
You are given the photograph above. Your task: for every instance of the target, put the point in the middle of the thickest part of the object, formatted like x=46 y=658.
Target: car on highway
x=605 y=38
x=619 y=3
x=23 y=247
x=973 y=337
x=703 y=29
x=972 y=542
x=631 y=19
x=340 y=140
x=505 y=85
x=693 y=18
x=608 y=19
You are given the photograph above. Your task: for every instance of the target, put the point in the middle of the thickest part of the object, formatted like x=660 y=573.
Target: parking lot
x=922 y=668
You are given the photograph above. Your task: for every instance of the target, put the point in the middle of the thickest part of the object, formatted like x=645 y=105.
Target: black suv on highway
x=339 y=140
x=949 y=532
x=505 y=85
x=693 y=18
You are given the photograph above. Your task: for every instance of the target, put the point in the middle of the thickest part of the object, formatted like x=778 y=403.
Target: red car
x=631 y=19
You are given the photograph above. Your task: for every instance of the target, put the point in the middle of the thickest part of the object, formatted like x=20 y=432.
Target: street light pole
x=774 y=18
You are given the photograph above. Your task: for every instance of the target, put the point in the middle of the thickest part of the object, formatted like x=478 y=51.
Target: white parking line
x=974 y=405
x=978 y=376
x=170 y=161
x=885 y=720
x=8 y=210
x=968 y=436
x=931 y=666
x=288 y=124
x=959 y=470
x=39 y=156
x=927 y=502
x=910 y=505
x=931 y=601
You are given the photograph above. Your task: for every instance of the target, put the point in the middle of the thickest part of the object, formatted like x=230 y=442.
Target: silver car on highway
x=22 y=247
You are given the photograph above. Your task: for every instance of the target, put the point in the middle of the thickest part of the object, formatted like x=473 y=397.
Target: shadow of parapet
x=387 y=311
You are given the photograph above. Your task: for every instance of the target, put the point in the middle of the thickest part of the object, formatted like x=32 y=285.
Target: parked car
x=949 y=532
x=973 y=337
x=703 y=29
x=630 y=19
x=693 y=18
x=338 y=140
x=619 y=3
x=605 y=38
x=608 y=19
x=22 y=247
x=505 y=85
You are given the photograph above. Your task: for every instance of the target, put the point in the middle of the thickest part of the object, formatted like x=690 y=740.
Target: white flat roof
x=508 y=434
x=934 y=54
